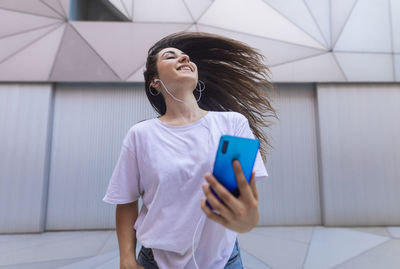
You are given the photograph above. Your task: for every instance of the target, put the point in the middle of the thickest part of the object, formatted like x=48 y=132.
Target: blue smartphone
x=233 y=148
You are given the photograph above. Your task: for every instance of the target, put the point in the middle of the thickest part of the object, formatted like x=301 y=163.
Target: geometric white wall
x=302 y=40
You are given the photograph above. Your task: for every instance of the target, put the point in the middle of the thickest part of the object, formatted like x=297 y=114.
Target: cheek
x=166 y=69
x=196 y=71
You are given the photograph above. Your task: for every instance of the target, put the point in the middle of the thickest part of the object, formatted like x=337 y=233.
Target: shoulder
x=230 y=115
x=142 y=125
x=136 y=130
x=239 y=117
x=229 y=122
x=235 y=119
x=232 y=118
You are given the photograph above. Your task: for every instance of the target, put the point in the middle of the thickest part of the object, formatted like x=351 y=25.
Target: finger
x=229 y=200
x=216 y=204
x=215 y=217
x=242 y=183
x=253 y=185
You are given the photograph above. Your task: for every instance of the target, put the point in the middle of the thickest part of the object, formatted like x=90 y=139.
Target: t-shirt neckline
x=181 y=127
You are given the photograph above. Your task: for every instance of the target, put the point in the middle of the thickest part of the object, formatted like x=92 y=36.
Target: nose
x=184 y=57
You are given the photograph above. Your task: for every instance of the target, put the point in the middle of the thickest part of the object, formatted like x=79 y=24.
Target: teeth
x=185 y=68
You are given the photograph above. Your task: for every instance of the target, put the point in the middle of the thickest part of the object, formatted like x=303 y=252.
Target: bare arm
x=126 y=215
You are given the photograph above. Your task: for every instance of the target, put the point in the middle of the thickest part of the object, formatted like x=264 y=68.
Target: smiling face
x=175 y=69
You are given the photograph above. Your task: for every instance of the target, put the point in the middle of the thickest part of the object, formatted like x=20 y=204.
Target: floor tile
x=16 y=237
x=252 y=262
x=113 y=263
x=296 y=233
x=394 y=231
x=332 y=246
x=94 y=261
x=373 y=230
x=84 y=246
x=110 y=244
x=274 y=251
x=41 y=265
x=262 y=248
x=385 y=256
x=30 y=240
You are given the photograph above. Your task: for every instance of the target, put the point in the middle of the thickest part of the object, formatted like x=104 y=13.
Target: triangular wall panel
x=56 y=6
x=193 y=28
x=120 y=7
x=76 y=61
x=395 y=16
x=161 y=11
x=30 y=6
x=269 y=48
x=340 y=12
x=137 y=76
x=34 y=62
x=318 y=68
x=12 y=44
x=366 y=66
x=197 y=8
x=297 y=12
x=65 y=5
x=396 y=59
x=367 y=29
x=18 y=22
x=320 y=9
x=261 y=20
x=118 y=43
x=128 y=6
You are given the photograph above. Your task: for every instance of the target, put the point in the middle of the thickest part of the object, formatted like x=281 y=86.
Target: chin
x=189 y=81
x=187 y=78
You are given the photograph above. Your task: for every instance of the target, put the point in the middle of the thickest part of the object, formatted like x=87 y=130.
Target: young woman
x=203 y=86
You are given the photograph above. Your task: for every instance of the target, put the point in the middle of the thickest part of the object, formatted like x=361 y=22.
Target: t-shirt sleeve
x=243 y=129
x=124 y=183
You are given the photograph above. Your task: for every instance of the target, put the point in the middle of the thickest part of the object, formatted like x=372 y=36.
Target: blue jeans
x=146 y=258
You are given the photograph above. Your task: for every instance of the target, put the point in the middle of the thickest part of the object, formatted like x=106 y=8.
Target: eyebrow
x=173 y=52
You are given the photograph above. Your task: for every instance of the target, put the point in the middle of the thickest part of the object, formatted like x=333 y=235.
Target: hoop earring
x=152 y=92
x=201 y=88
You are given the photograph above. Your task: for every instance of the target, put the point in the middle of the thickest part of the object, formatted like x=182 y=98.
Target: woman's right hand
x=129 y=263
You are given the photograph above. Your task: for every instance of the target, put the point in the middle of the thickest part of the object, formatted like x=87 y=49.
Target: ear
x=154 y=84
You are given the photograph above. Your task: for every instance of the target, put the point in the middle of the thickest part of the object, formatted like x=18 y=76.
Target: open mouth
x=185 y=68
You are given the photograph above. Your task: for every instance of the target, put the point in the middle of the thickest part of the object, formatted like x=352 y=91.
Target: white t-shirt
x=165 y=165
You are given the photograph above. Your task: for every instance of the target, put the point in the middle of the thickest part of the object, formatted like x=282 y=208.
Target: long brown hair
x=234 y=75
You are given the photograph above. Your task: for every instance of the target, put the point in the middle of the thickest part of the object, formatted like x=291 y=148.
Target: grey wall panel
x=90 y=122
x=290 y=195
x=359 y=129
x=24 y=127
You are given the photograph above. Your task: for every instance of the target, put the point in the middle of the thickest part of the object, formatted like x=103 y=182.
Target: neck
x=187 y=111
x=181 y=104
x=183 y=112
